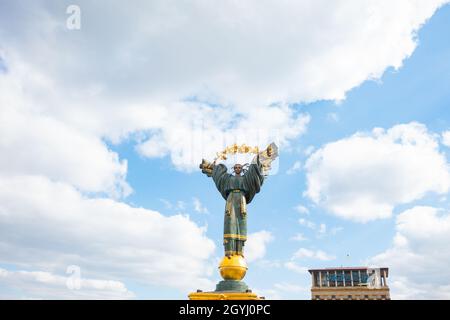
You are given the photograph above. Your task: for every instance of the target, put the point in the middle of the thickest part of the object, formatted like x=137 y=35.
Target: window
x=316 y=279
x=340 y=278
x=364 y=277
x=324 y=279
x=356 y=280
x=348 y=279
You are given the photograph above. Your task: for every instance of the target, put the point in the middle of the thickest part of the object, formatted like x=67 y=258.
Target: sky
x=103 y=126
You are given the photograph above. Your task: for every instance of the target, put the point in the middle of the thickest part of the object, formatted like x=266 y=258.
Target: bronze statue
x=238 y=190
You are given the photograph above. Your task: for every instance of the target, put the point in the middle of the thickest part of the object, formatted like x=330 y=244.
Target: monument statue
x=238 y=189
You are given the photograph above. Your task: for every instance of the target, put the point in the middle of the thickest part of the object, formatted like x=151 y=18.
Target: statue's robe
x=238 y=191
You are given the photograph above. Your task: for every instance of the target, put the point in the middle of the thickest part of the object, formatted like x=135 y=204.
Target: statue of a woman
x=238 y=190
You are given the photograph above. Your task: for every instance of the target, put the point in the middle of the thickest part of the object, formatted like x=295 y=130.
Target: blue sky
x=116 y=152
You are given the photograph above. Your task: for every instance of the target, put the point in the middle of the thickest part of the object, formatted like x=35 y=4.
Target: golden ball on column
x=233 y=267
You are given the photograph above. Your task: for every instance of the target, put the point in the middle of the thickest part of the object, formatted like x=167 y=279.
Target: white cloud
x=181 y=205
x=307 y=223
x=365 y=176
x=167 y=203
x=296 y=167
x=302 y=209
x=247 y=54
x=45 y=285
x=325 y=231
x=304 y=253
x=322 y=229
x=255 y=247
x=48 y=226
x=446 y=138
x=404 y=289
x=285 y=290
x=418 y=259
x=335 y=230
x=202 y=131
x=332 y=117
x=3 y=68
x=34 y=143
x=198 y=206
x=299 y=237
x=268 y=294
x=309 y=150
x=293 y=266
x=178 y=206
x=289 y=287
x=210 y=69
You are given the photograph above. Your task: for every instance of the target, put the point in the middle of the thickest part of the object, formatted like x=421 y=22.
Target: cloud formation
x=180 y=79
x=446 y=138
x=419 y=257
x=255 y=247
x=45 y=285
x=48 y=226
x=363 y=177
x=304 y=253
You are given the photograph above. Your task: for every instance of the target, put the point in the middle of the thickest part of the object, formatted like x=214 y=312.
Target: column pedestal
x=232 y=269
x=214 y=295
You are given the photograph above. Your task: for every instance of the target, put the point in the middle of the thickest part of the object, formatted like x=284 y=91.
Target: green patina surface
x=237 y=191
x=231 y=286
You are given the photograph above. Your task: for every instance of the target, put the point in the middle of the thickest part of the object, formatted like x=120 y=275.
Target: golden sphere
x=233 y=267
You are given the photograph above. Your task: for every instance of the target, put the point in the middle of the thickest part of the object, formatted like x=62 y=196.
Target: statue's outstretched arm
x=207 y=167
x=266 y=157
x=219 y=175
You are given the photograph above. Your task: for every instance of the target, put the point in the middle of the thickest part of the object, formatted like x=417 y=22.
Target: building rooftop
x=347 y=268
